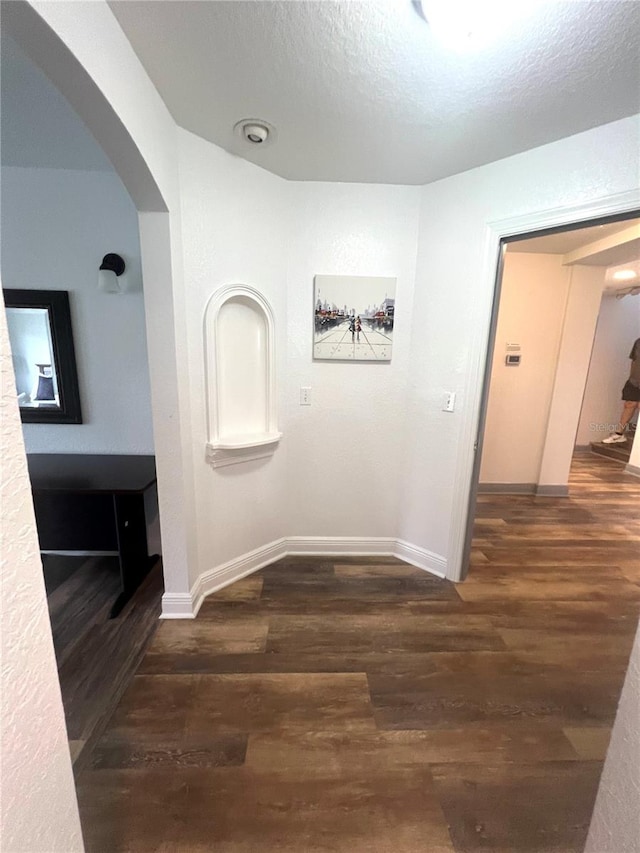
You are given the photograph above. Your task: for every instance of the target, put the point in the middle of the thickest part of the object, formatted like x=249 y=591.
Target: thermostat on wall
x=512 y=360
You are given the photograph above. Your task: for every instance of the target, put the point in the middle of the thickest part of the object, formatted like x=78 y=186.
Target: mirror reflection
x=33 y=358
x=44 y=361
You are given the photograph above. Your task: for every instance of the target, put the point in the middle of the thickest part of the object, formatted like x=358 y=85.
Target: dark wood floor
x=96 y=656
x=362 y=705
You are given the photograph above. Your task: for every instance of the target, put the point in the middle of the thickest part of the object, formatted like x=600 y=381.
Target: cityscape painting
x=353 y=318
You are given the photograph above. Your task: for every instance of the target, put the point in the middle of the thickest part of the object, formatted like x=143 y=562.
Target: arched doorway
x=112 y=95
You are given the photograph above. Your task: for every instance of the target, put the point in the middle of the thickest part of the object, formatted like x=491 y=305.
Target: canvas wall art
x=353 y=318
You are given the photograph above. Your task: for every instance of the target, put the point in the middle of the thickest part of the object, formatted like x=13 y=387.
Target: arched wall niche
x=240 y=376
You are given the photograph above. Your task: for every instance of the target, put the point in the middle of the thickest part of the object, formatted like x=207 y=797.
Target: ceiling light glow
x=624 y=275
x=462 y=24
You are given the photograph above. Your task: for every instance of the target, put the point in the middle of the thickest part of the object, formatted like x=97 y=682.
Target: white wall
x=345 y=450
x=578 y=331
x=615 y=824
x=532 y=305
x=634 y=459
x=453 y=302
x=336 y=471
x=39 y=810
x=241 y=224
x=450 y=308
x=618 y=327
x=57 y=224
x=236 y=229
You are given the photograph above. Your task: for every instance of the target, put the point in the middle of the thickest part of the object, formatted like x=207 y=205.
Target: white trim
x=225 y=450
x=435 y=564
x=234 y=570
x=632 y=469
x=219 y=455
x=177 y=605
x=186 y=605
x=336 y=546
x=482 y=302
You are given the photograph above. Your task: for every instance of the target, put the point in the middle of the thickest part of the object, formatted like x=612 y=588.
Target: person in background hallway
x=630 y=397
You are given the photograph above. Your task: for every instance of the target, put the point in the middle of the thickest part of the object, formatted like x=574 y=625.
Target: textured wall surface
x=615 y=825
x=39 y=809
x=345 y=451
x=74 y=218
x=336 y=471
x=235 y=221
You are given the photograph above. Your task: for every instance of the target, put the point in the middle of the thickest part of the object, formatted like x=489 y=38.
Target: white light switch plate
x=449 y=402
x=305 y=396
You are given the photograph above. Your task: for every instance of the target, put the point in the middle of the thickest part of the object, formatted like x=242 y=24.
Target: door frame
x=498 y=234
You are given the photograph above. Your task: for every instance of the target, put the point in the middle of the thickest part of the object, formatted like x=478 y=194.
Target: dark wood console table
x=95 y=503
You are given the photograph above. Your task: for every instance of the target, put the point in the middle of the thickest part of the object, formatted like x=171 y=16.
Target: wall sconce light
x=111 y=268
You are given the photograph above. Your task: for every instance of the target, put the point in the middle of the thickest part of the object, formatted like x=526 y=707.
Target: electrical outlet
x=449 y=403
x=305 y=396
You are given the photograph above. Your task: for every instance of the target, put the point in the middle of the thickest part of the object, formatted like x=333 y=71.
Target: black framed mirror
x=44 y=360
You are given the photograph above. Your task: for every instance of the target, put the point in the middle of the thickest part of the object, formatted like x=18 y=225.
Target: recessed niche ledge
x=242 y=448
x=239 y=343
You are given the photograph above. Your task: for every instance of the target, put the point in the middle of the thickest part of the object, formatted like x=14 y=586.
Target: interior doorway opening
x=66 y=207
x=544 y=374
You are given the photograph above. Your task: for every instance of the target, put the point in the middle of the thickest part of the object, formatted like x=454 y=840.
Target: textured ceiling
x=364 y=91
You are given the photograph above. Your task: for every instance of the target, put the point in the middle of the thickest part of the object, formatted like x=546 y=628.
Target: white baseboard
x=334 y=546
x=186 y=605
x=177 y=605
x=421 y=558
x=632 y=469
x=234 y=570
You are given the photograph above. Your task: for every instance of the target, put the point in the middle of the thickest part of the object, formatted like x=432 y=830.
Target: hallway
x=363 y=705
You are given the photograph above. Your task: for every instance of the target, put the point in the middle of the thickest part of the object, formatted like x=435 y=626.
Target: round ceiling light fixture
x=255 y=131
x=463 y=24
x=624 y=275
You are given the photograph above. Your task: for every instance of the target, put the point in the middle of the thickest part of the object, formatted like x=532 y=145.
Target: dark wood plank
x=358 y=705
x=219 y=751
x=236 y=810
x=513 y=808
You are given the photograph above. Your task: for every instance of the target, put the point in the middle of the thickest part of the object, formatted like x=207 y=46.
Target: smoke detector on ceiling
x=255 y=131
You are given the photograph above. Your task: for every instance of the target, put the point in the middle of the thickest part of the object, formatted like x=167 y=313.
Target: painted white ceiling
x=363 y=91
x=38 y=126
